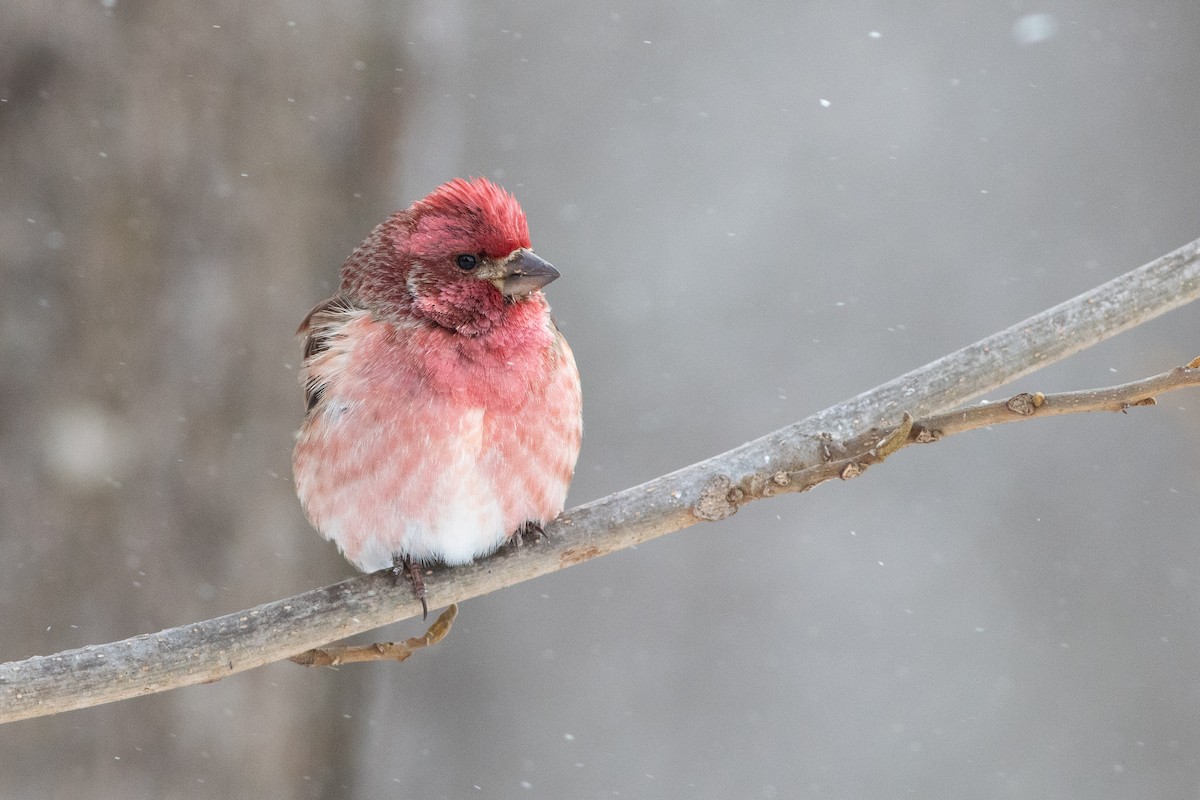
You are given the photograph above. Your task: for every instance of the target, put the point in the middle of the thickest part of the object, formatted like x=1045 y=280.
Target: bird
x=443 y=405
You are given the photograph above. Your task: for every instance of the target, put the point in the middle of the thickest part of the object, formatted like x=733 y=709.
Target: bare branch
x=1025 y=405
x=337 y=655
x=710 y=490
x=850 y=458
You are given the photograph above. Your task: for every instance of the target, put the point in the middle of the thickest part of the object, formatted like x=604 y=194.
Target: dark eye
x=467 y=261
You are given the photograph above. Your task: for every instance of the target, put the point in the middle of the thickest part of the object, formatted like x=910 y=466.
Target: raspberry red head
x=475 y=216
x=459 y=257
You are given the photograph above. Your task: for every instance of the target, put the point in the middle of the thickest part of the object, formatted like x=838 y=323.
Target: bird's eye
x=467 y=261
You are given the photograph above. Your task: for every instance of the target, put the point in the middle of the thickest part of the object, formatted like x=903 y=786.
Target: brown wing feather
x=319 y=328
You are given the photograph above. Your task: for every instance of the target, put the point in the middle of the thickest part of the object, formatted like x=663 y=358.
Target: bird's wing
x=320 y=329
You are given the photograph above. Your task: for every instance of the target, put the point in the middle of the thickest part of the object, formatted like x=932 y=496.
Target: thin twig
x=712 y=489
x=336 y=655
x=850 y=458
x=1025 y=405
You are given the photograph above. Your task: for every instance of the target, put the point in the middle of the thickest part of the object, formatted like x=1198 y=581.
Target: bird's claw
x=529 y=533
x=405 y=566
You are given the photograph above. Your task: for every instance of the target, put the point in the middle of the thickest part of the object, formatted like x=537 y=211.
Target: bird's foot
x=532 y=532
x=405 y=566
x=529 y=533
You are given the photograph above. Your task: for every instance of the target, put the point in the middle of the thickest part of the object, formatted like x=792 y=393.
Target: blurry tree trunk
x=123 y=218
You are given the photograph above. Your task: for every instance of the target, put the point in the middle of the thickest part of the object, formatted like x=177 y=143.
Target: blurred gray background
x=758 y=210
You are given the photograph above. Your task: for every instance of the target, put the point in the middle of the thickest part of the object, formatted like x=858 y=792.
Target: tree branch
x=1025 y=405
x=831 y=441
x=850 y=458
x=336 y=655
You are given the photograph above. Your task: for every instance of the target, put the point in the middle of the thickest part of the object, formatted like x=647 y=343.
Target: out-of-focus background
x=757 y=211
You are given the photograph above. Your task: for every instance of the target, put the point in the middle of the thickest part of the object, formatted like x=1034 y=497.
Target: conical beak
x=524 y=274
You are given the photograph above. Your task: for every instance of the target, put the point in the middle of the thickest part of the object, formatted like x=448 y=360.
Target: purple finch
x=444 y=409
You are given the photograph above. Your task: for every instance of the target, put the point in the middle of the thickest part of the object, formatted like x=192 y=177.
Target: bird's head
x=459 y=257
